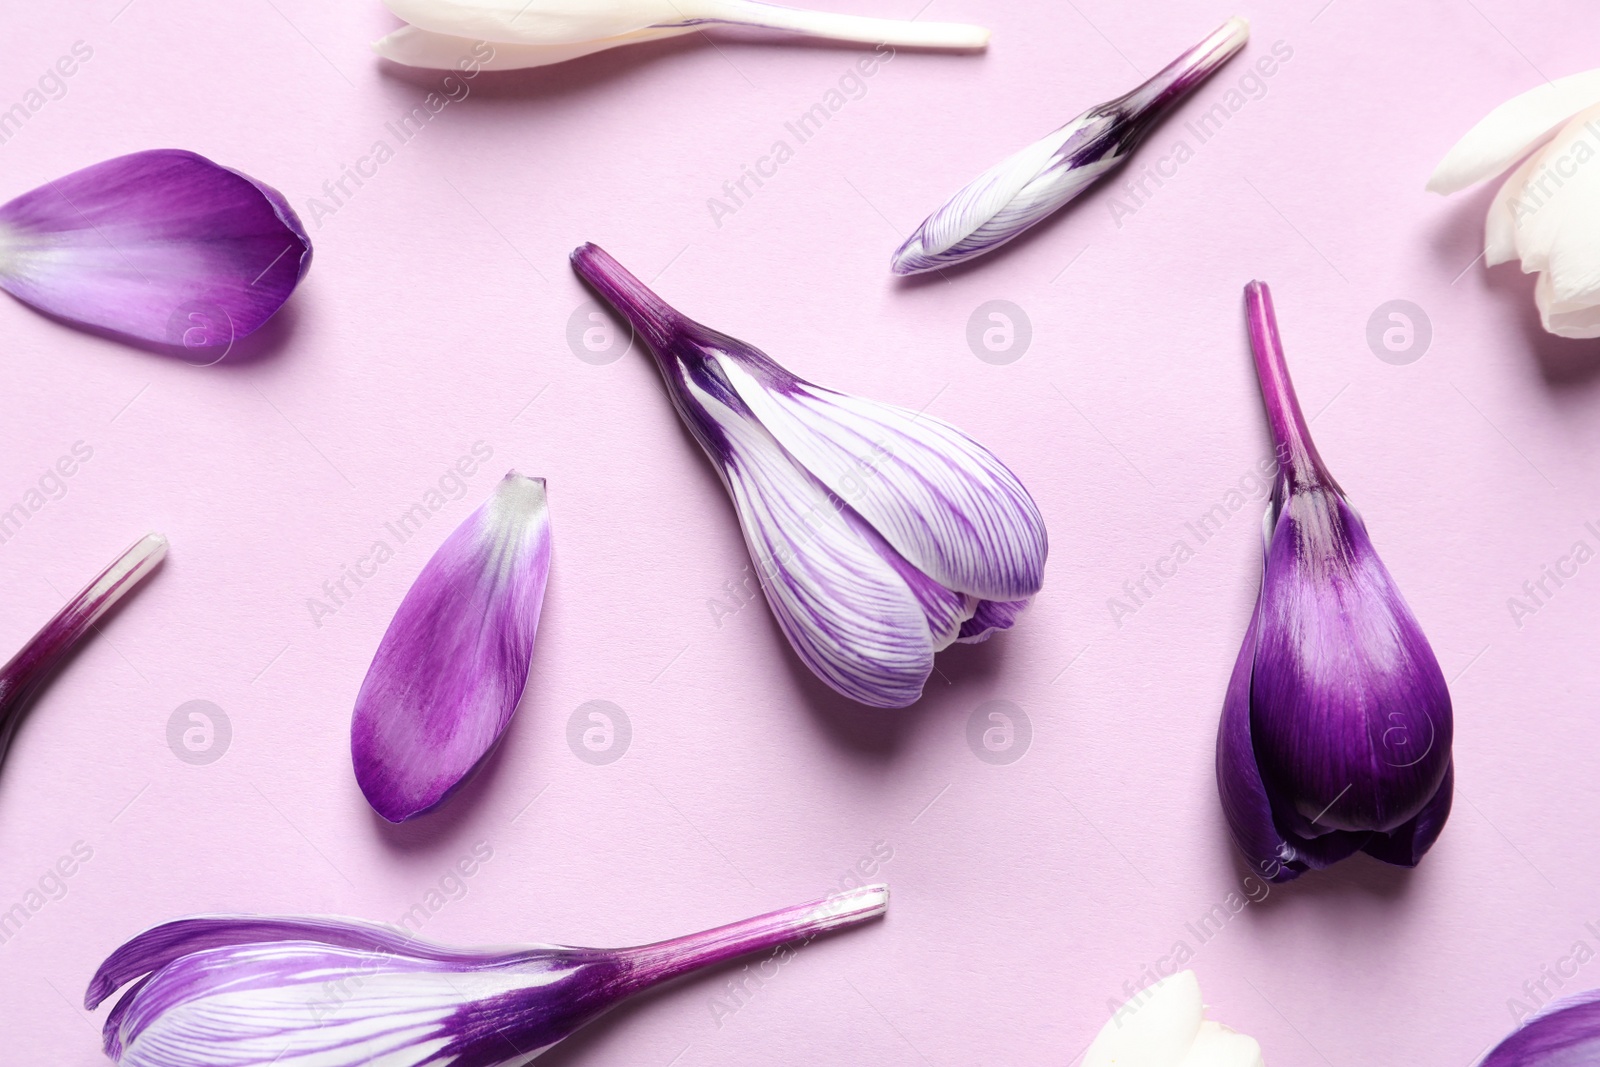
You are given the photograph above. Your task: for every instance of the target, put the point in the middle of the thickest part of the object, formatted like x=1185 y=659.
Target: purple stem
x=1298 y=461
x=666 y=960
x=21 y=678
x=646 y=312
x=1173 y=82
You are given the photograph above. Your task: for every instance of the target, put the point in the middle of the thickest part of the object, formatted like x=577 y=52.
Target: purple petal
x=162 y=246
x=1349 y=710
x=1566 y=1033
x=1405 y=845
x=990 y=618
x=450 y=670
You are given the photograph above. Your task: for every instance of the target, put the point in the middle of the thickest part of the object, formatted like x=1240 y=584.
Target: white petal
x=1513 y=129
x=415 y=47
x=1558 y=216
x=1569 y=321
x=1156 y=1028
x=1500 y=226
x=1217 y=1046
x=539 y=22
x=848 y=613
x=942 y=500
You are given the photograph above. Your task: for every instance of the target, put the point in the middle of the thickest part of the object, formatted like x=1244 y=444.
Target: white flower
x=1165 y=1026
x=1547 y=213
x=535 y=33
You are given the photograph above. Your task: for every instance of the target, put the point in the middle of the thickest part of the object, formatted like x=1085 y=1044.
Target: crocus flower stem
x=1150 y=101
x=666 y=960
x=22 y=676
x=1298 y=460
x=860 y=28
x=646 y=312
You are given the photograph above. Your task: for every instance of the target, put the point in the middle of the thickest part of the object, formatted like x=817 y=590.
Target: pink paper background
x=436 y=316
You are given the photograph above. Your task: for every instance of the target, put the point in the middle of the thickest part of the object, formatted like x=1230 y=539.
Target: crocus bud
x=1336 y=728
x=880 y=535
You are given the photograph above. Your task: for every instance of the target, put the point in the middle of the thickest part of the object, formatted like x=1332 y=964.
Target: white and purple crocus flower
x=1336 y=728
x=451 y=668
x=163 y=247
x=1026 y=188
x=307 y=992
x=880 y=535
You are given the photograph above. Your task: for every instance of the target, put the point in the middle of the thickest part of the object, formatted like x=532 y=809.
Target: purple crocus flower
x=164 y=247
x=1336 y=727
x=306 y=992
x=21 y=678
x=880 y=535
x=1564 y=1033
x=451 y=668
x=1024 y=189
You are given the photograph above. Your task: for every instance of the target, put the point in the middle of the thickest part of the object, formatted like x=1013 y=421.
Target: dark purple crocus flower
x=164 y=247
x=880 y=535
x=1026 y=188
x=451 y=668
x=21 y=678
x=1336 y=728
x=291 y=992
x=1564 y=1033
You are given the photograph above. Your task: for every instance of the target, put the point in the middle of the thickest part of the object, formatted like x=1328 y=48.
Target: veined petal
x=242 y=992
x=1513 y=129
x=416 y=47
x=449 y=672
x=162 y=246
x=989 y=618
x=1564 y=1033
x=1033 y=183
x=555 y=22
x=845 y=609
x=1565 y=319
x=941 y=499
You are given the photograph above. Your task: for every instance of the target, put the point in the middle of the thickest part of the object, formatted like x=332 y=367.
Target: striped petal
x=450 y=670
x=1014 y=195
x=845 y=608
x=1514 y=129
x=942 y=500
x=164 y=247
x=1566 y=1033
x=246 y=992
